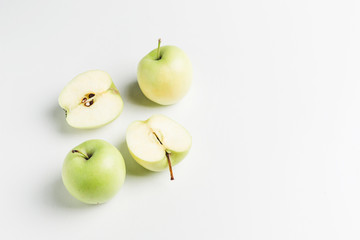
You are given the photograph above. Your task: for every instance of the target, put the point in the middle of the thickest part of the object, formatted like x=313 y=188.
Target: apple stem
x=84 y=155
x=170 y=168
x=158 y=49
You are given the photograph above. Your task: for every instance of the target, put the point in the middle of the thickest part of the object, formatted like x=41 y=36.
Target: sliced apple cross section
x=158 y=143
x=91 y=100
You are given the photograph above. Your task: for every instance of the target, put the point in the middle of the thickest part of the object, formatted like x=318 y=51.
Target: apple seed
x=88 y=104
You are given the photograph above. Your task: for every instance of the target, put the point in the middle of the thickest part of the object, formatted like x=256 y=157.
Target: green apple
x=91 y=100
x=165 y=74
x=158 y=143
x=94 y=171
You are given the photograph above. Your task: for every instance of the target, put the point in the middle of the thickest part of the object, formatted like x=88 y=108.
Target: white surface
x=273 y=111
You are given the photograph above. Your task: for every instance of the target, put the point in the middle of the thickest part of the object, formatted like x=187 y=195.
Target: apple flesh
x=158 y=143
x=165 y=75
x=94 y=171
x=91 y=100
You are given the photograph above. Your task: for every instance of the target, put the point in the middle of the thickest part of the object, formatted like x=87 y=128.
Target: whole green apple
x=165 y=74
x=93 y=171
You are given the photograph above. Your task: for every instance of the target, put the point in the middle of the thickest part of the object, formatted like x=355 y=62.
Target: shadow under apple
x=135 y=95
x=60 y=197
x=59 y=119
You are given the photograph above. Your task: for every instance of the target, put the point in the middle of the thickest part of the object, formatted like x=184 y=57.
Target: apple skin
x=168 y=79
x=97 y=179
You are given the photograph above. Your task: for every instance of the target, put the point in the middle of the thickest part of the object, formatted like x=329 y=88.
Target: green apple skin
x=162 y=164
x=165 y=80
x=97 y=179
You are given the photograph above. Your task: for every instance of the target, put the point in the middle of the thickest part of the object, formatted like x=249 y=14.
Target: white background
x=273 y=111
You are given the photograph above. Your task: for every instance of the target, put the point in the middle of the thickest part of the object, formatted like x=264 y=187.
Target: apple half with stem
x=94 y=171
x=158 y=143
x=91 y=100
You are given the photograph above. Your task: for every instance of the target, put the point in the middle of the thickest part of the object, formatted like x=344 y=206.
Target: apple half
x=91 y=100
x=158 y=143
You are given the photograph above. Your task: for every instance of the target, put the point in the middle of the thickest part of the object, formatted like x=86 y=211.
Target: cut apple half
x=91 y=100
x=158 y=143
